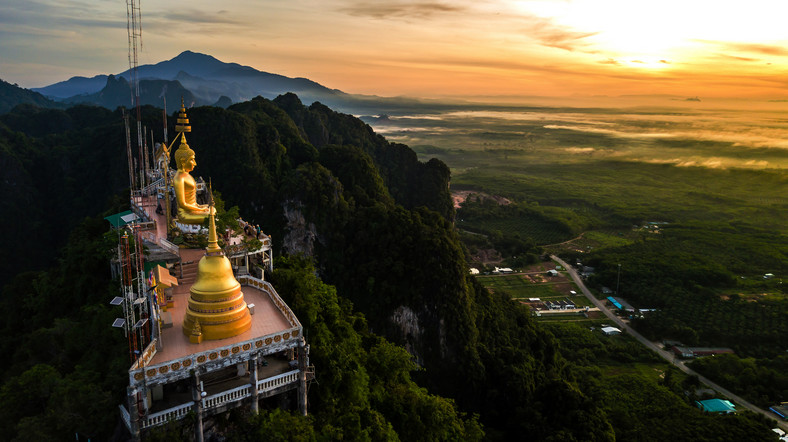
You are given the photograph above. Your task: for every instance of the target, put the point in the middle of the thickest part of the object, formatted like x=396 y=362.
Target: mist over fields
x=681 y=133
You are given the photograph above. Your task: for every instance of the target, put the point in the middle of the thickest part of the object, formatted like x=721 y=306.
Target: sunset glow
x=427 y=48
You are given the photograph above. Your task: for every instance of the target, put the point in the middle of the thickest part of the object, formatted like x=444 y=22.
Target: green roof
x=116 y=219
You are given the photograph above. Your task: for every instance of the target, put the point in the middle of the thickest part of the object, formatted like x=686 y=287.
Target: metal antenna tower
x=134 y=28
x=135 y=300
x=132 y=183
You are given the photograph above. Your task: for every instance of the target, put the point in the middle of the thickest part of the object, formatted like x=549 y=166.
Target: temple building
x=206 y=332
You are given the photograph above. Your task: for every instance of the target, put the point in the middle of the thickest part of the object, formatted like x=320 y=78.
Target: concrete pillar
x=302 y=365
x=134 y=416
x=197 y=397
x=253 y=384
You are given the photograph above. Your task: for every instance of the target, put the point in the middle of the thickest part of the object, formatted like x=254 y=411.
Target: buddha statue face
x=187 y=164
x=184 y=157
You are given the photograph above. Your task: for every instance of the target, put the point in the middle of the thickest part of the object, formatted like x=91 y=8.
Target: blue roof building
x=721 y=406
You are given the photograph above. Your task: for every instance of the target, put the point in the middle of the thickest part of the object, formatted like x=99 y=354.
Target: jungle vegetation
x=477 y=365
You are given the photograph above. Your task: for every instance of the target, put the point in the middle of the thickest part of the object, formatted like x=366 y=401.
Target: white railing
x=124 y=414
x=147 y=355
x=234 y=395
x=277 y=381
x=169 y=414
x=168 y=246
x=242 y=249
x=149 y=235
x=152 y=186
x=214 y=401
x=266 y=287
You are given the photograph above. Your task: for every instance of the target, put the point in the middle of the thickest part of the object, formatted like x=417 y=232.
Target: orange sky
x=426 y=48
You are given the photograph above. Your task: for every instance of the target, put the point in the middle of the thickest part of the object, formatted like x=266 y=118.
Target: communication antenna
x=146 y=167
x=128 y=152
x=165 y=122
x=134 y=28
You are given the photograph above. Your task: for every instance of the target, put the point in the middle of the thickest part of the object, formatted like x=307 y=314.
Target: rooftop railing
x=214 y=401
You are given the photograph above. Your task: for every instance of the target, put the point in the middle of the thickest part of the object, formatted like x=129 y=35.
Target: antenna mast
x=128 y=152
x=134 y=28
x=135 y=300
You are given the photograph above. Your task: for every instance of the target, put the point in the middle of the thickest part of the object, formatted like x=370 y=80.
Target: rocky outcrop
x=300 y=235
x=407 y=322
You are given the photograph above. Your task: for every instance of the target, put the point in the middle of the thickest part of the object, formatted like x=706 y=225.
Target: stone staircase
x=189 y=273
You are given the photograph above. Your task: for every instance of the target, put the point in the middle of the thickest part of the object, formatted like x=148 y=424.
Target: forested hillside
x=375 y=267
x=12 y=95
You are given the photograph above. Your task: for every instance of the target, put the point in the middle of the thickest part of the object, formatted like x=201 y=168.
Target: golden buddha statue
x=216 y=308
x=189 y=212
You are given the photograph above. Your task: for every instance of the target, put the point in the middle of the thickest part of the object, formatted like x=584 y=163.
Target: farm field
x=523 y=286
x=690 y=202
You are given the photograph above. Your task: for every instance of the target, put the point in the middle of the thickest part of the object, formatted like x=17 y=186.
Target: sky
x=416 y=48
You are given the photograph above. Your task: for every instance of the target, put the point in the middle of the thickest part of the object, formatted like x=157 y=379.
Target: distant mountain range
x=199 y=78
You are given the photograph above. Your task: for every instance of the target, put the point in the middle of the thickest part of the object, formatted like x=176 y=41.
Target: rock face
x=408 y=323
x=300 y=236
x=411 y=325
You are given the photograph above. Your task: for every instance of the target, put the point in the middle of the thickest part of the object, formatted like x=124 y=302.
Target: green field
x=721 y=230
x=721 y=204
x=519 y=288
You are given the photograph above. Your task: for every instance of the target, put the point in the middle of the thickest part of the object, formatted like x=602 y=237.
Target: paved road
x=666 y=355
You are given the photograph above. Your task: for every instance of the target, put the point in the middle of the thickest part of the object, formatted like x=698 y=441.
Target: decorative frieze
x=172 y=370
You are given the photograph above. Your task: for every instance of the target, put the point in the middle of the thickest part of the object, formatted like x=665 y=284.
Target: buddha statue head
x=184 y=157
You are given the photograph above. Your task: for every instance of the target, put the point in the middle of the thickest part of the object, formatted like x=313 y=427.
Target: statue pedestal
x=191 y=228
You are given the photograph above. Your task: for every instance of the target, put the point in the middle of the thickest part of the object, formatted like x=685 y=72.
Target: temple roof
x=121 y=219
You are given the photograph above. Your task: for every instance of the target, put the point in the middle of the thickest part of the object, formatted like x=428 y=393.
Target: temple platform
x=266 y=320
x=161 y=380
x=175 y=374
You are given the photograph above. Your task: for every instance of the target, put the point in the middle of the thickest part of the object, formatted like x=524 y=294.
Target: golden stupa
x=216 y=309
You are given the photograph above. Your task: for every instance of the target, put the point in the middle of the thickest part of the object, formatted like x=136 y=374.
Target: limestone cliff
x=300 y=235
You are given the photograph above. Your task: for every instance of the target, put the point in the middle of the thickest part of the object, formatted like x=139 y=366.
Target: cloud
x=605 y=131
x=752 y=48
x=734 y=57
x=202 y=17
x=760 y=48
x=551 y=35
x=486 y=63
x=400 y=9
x=68 y=17
x=580 y=150
x=709 y=163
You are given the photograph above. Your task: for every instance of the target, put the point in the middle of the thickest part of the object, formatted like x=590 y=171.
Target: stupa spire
x=213 y=238
x=183 y=121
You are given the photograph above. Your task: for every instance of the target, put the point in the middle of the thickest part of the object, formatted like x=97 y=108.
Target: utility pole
x=618 y=278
